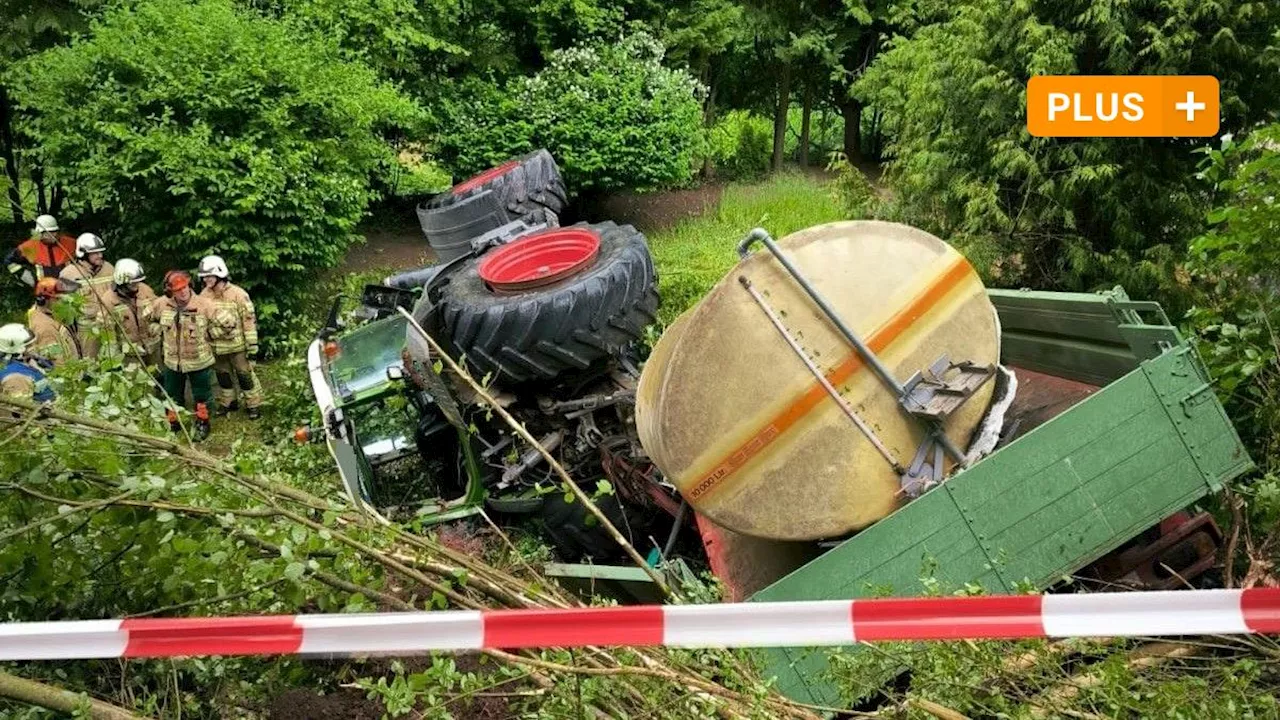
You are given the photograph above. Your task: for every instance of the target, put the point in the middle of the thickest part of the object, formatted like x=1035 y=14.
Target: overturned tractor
x=847 y=407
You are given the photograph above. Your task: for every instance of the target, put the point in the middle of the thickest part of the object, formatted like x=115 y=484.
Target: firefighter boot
x=173 y=421
x=202 y=422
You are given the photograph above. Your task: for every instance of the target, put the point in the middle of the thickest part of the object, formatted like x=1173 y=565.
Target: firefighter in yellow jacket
x=55 y=340
x=233 y=364
x=188 y=326
x=93 y=275
x=125 y=307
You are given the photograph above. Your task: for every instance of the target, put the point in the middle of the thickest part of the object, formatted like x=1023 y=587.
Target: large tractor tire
x=527 y=189
x=592 y=308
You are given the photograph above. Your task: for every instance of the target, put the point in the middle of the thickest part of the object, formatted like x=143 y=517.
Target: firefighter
x=55 y=340
x=44 y=255
x=22 y=374
x=125 y=307
x=188 y=326
x=93 y=275
x=233 y=365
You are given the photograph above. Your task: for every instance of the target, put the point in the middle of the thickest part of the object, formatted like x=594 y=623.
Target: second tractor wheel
x=551 y=303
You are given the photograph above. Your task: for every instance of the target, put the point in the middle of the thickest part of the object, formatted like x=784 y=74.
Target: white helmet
x=15 y=339
x=128 y=271
x=46 y=223
x=213 y=265
x=89 y=243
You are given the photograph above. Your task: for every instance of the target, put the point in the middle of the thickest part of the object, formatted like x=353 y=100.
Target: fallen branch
x=419 y=562
x=1229 y=554
x=56 y=698
x=1145 y=656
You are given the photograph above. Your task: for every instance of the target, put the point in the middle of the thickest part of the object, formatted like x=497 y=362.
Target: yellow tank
x=732 y=416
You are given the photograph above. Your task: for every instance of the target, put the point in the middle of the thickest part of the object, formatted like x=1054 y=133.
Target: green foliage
x=739 y=145
x=611 y=114
x=694 y=255
x=851 y=188
x=1236 y=265
x=1089 y=212
x=201 y=128
x=1082 y=678
x=400 y=39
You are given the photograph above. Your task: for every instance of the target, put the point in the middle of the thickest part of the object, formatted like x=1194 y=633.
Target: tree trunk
x=877 y=137
x=55 y=698
x=804 y=125
x=780 y=117
x=708 y=121
x=9 y=152
x=852 y=111
x=37 y=177
x=55 y=203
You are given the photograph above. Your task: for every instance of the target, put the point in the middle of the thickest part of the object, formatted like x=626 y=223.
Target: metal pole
x=762 y=235
x=817 y=373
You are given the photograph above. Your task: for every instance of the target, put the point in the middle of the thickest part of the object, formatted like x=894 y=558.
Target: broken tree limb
x=1144 y=656
x=644 y=681
x=520 y=430
x=56 y=698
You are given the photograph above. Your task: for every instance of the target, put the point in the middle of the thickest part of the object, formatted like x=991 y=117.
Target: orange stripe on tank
x=880 y=339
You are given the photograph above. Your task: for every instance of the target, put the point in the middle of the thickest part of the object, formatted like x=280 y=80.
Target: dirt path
x=399 y=243
x=389 y=245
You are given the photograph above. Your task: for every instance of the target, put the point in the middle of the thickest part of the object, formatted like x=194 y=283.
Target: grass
x=693 y=255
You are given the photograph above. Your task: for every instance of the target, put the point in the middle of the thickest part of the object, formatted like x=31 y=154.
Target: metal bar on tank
x=761 y=235
x=822 y=379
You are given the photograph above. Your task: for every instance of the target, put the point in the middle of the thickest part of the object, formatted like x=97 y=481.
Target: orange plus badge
x=1122 y=106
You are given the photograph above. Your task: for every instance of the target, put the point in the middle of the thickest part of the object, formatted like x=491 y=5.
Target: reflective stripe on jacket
x=94 y=286
x=134 y=334
x=40 y=259
x=235 y=309
x=187 y=333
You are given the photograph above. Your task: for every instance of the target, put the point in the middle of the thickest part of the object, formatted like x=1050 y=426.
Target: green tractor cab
x=381 y=429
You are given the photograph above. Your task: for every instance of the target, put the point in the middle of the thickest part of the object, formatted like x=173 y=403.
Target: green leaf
x=294 y=570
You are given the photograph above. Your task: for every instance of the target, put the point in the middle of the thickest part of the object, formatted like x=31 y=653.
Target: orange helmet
x=48 y=288
x=176 y=280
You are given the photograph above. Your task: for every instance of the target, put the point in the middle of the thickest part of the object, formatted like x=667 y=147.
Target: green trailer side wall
x=1152 y=442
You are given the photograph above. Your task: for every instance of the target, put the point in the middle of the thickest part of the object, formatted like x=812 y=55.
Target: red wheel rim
x=484 y=177
x=541 y=259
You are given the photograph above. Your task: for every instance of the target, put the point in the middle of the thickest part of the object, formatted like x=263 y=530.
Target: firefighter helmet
x=89 y=243
x=15 y=339
x=176 y=280
x=128 y=271
x=213 y=265
x=46 y=223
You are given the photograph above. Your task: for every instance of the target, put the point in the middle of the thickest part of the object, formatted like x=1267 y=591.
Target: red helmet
x=176 y=280
x=48 y=288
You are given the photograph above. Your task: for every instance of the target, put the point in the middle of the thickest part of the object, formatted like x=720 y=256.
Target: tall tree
x=26 y=28
x=1080 y=212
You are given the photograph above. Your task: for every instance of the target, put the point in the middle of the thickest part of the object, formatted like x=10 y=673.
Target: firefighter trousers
x=175 y=385
x=235 y=373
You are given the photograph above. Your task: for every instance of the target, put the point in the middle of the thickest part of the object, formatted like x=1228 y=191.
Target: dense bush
x=611 y=114
x=201 y=128
x=1236 y=268
x=1083 y=213
x=740 y=145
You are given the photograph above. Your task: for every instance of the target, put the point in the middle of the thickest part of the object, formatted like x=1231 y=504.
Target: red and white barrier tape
x=825 y=622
